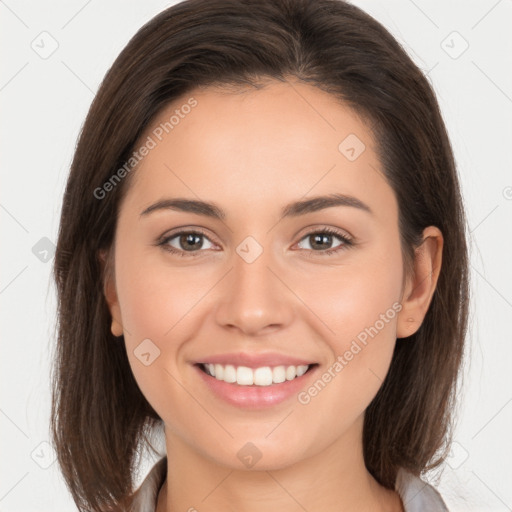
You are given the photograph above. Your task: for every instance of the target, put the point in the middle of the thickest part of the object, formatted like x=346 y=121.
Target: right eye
x=184 y=242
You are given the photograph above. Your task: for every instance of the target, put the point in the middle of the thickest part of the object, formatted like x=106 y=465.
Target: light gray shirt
x=416 y=495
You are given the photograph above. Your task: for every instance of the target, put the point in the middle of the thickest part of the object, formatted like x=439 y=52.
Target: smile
x=262 y=376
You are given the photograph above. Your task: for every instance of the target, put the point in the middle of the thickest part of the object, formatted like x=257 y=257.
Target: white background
x=44 y=103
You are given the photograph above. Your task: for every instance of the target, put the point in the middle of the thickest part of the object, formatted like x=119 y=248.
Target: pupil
x=185 y=239
x=321 y=240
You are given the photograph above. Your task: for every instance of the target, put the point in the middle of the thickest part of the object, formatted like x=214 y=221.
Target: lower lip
x=255 y=396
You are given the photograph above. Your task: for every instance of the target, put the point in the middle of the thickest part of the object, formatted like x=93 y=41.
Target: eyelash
x=347 y=242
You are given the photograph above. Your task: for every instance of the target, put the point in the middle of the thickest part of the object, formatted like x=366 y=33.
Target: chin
x=259 y=455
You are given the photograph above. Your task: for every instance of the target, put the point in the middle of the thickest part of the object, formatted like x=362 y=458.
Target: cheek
x=359 y=305
x=357 y=300
x=154 y=307
x=155 y=298
x=155 y=302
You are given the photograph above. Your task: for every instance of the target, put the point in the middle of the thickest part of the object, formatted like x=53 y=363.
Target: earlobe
x=110 y=293
x=116 y=328
x=421 y=286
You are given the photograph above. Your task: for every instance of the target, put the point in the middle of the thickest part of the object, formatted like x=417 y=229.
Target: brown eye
x=186 y=242
x=322 y=241
x=190 y=241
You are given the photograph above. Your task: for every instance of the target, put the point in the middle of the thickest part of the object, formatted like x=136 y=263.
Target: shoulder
x=418 y=495
x=145 y=497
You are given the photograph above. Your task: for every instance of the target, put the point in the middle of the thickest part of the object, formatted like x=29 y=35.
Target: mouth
x=261 y=376
x=255 y=381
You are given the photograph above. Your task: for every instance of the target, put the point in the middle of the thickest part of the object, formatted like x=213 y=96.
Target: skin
x=252 y=152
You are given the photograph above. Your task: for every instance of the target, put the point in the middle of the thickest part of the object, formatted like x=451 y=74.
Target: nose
x=255 y=298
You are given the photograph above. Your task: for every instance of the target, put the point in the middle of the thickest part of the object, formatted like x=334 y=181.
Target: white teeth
x=244 y=376
x=301 y=370
x=264 y=376
x=229 y=373
x=219 y=371
x=291 y=372
x=278 y=374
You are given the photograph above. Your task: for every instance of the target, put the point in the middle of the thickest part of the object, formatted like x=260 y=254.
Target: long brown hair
x=99 y=418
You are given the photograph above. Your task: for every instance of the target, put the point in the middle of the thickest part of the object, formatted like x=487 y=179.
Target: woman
x=262 y=250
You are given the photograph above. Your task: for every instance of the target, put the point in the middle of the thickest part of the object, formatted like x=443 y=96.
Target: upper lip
x=254 y=360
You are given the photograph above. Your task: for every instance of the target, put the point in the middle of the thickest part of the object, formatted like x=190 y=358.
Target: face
x=264 y=278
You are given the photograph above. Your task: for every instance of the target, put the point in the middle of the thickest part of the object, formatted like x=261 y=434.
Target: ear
x=110 y=292
x=420 y=287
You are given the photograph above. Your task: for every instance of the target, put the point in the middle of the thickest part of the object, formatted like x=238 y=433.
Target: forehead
x=258 y=147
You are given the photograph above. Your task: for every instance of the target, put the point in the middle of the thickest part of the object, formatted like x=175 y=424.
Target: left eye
x=321 y=241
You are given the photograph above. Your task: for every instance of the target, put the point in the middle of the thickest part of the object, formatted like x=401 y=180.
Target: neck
x=333 y=480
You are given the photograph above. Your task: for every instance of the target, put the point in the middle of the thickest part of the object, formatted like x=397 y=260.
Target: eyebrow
x=294 y=209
